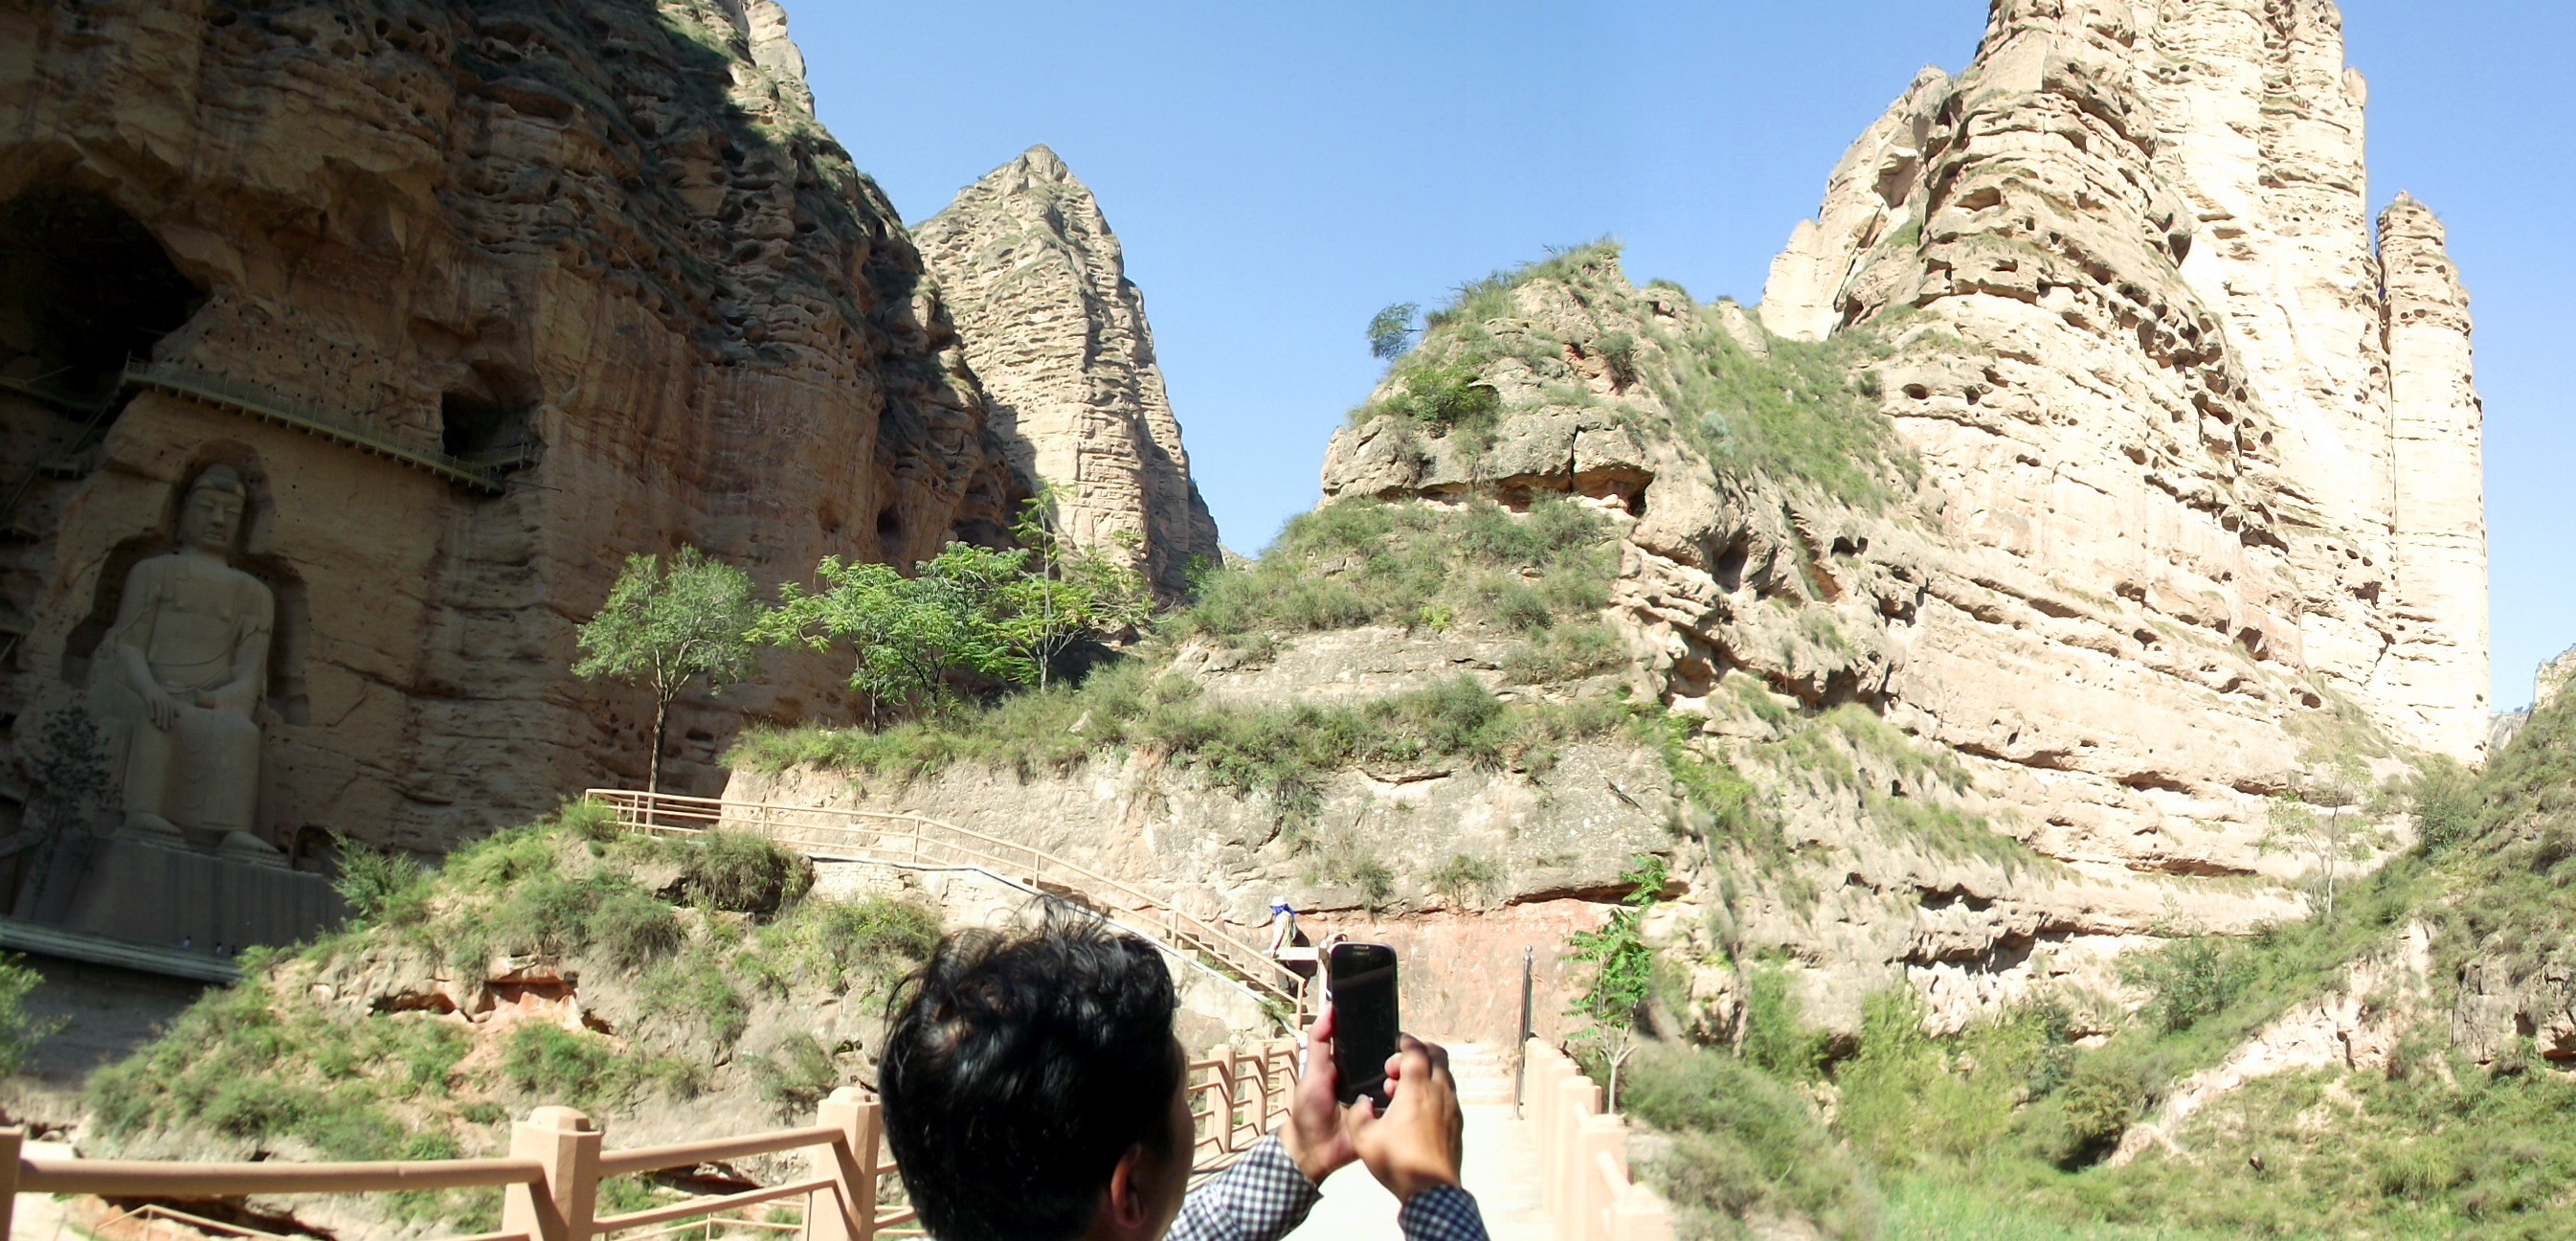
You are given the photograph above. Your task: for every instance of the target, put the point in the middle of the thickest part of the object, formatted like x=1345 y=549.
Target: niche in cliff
x=83 y=287
x=491 y=418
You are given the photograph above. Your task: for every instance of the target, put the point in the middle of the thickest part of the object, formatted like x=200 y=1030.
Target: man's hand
x=1314 y=1136
x=1419 y=1142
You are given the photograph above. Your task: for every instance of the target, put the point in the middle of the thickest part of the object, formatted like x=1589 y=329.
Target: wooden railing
x=1583 y=1158
x=1236 y=1099
x=913 y=840
x=550 y=1179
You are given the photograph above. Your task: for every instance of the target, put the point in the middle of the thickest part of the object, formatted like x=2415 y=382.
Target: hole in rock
x=490 y=420
x=83 y=287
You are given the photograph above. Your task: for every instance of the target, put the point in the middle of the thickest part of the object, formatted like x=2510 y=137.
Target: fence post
x=1577 y=1099
x=559 y=1207
x=11 y=1139
x=1641 y=1215
x=848 y=1210
x=1230 y=1065
x=1600 y=1168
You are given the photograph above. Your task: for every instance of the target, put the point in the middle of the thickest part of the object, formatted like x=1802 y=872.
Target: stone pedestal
x=179 y=897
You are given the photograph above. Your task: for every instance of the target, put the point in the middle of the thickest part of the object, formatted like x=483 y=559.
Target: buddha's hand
x=164 y=708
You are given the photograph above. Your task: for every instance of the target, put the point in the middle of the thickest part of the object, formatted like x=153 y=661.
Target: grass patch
x=1743 y=1144
x=263 y=1063
x=1360 y=562
x=1285 y=754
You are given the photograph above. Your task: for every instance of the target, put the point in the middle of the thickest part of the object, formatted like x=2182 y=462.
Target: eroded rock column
x=2439 y=663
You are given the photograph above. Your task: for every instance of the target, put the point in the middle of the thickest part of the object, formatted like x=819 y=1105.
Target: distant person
x=1283 y=925
x=1034 y=1091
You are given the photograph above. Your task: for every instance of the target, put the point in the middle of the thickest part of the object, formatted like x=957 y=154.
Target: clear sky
x=1280 y=171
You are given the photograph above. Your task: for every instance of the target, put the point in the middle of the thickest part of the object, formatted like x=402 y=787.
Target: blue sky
x=1279 y=171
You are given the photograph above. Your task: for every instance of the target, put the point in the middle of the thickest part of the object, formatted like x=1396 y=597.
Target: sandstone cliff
x=482 y=298
x=2177 y=501
x=2208 y=394
x=1039 y=289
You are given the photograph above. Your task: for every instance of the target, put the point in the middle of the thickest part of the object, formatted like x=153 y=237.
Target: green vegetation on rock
x=1282 y=753
x=342 y=1050
x=1750 y=404
x=2001 y=1129
x=1361 y=562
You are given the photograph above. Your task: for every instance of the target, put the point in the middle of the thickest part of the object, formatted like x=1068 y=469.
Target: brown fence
x=914 y=840
x=1583 y=1158
x=550 y=1179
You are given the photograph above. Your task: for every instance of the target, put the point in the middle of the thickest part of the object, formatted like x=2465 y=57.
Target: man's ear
x=1128 y=1211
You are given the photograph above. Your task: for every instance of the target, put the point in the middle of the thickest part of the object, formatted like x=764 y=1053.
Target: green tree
x=20 y=1030
x=909 y=633
x=991 y=615
x=1390 y=334
x=1071 y=593
x=1623 y=973
x=2329 y=818
x=662 y=630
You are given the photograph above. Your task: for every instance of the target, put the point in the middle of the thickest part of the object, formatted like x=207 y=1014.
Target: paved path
x=1502 y=1166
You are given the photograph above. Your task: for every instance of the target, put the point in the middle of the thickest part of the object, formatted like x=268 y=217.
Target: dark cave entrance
x=83 y=287
x=491 y=420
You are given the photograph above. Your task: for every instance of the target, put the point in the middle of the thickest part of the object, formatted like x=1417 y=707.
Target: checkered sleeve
x=1442 y=1213
x=1260 y=1198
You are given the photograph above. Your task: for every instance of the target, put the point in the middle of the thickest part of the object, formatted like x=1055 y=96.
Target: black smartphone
x=1359 y=979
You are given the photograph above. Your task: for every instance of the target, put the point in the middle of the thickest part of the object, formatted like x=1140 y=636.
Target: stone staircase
x=1484 y=1075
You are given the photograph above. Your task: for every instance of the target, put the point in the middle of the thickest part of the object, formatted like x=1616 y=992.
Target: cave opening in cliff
x=490 y=420
x=83 y=287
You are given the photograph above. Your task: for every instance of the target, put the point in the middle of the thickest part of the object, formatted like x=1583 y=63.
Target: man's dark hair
x=1020 y=1068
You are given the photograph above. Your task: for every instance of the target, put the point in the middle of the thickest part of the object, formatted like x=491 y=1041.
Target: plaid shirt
x=1263 y=1196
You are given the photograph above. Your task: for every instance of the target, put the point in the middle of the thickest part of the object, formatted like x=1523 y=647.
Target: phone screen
x=1360 y=980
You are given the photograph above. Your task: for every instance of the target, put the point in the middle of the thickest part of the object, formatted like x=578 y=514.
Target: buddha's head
x=212 y=517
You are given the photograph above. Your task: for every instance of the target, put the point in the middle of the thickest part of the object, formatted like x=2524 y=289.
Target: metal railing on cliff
x=486 y=473
x=914 y=840
x=550 y=1179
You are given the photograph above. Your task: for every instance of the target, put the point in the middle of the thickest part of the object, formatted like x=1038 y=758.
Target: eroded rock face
x=603 y=245
x=2197 y=508
x=2204 y=384
x=1039 y=289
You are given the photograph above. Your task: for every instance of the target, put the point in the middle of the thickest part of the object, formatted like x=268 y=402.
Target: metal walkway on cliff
x=832 y=834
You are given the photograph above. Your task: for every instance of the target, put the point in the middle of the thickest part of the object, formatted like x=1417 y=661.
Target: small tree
x=2328 y=819
x=909 y=632
x=1071 y=593
x=662 y=630
x=1390 y=334
x=20 y=1030
x=1623 y=975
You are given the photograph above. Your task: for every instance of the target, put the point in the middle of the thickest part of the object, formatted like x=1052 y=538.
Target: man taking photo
x=1034 y=1091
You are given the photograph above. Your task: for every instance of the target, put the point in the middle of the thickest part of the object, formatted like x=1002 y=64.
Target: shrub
x=1776 y=1036
x=378 y=885
x=631 y=928
x=1448 y=397
x=2444 y=800
x=843 y=943
x=1355 y=562
x=1465 y=877
x=742 y=873
x=549 y=1064
x=1744 y=1143
x=2187 y=981
x=796 y=1074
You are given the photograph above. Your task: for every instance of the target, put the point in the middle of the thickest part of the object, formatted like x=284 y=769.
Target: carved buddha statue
x=184 y=670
